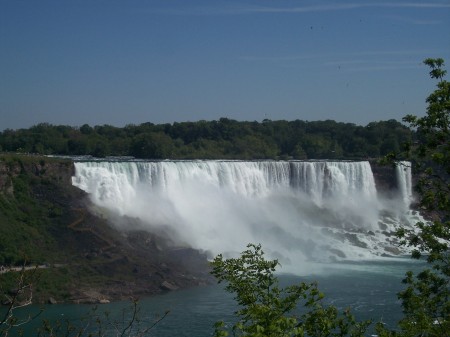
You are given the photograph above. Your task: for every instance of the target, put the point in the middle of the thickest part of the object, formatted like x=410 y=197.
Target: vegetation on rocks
x=32 y=200
x=81 y=257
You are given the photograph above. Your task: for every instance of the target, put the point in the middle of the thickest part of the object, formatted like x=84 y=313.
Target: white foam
x=299 y=211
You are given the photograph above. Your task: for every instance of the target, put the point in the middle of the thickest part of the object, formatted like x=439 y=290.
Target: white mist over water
x=299 y=211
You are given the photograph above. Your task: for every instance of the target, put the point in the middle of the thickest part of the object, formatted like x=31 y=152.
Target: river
x=369 y=288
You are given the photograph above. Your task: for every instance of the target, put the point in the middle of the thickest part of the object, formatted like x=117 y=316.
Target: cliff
x=385 y=177
x=45 y=221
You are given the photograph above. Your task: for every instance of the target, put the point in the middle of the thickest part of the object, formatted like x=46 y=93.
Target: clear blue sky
x=127 y=62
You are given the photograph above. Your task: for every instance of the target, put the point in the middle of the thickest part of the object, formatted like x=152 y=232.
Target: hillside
x=46 y=221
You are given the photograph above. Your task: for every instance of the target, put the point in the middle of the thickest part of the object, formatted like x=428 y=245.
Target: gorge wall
x=46 y=221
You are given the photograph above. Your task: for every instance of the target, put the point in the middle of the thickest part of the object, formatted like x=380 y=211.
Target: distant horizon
x=206 y=120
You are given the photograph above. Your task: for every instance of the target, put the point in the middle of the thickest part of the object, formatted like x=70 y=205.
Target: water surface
x=369 y=288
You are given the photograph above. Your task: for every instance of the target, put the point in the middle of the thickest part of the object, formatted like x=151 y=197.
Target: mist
x=302 y=213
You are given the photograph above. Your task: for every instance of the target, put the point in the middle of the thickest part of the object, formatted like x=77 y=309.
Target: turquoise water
x=369 y=288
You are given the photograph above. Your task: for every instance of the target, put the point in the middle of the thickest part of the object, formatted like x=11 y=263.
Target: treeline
x=222 y=139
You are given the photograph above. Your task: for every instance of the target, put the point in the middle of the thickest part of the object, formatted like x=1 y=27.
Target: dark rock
x=168 y=286
x=393 y=250
x=382 y=226
x=338 y=253
x=353 y=238
x=385 y=177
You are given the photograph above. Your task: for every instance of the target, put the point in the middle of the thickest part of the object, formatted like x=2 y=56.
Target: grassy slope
x=44 y=219
x=27 y=215
x=33 y=207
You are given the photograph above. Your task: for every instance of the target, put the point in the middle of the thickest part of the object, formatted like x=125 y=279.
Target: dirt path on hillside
x=75 y=226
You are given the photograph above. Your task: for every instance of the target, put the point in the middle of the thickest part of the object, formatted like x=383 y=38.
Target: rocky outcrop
x=6 y=171
x=385 y=177
x=168 y=286
x=13 y=165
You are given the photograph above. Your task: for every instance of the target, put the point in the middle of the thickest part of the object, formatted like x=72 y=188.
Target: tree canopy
x=222 y=139
x=266 y=310
x=426 y=298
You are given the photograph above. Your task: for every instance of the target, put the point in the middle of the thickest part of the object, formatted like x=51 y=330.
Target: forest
x=222 y=139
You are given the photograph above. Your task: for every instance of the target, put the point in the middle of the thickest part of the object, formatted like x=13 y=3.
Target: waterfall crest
x=298 y=210
x=317 y=179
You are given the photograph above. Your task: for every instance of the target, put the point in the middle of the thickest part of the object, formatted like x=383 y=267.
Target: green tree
x=426 y=299
x=268 y=310
x=299 y=153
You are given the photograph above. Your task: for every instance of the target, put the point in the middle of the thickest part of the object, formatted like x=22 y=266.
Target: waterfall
x=317 y=179
x=298 y=210
x=404 y=182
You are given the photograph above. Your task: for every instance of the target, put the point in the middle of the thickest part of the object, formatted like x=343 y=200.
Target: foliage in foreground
x=268 y=310
x=426 y=299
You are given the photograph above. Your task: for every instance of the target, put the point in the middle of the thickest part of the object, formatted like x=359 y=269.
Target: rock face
x=385 y=178
x=6 y=185
x=11 y=166
x=92 y=261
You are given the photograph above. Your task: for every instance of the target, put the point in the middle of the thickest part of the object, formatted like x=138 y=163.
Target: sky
x=163 y=61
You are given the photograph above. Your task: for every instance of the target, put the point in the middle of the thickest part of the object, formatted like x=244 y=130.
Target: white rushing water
x=404 y=179
x=299 y=211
